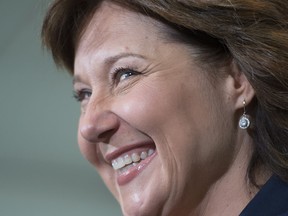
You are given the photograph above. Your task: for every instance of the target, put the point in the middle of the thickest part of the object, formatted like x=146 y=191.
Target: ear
x=238 y=87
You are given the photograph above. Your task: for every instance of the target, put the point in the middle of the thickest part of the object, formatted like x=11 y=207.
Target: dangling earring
x=244 y=121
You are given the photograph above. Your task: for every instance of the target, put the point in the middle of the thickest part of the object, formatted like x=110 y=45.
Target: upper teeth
x=121 y=162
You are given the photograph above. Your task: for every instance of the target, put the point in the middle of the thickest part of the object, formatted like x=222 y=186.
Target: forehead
x=113 y=30
x=111 y=21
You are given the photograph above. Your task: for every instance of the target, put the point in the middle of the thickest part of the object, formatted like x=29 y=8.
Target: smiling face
x=149 y=109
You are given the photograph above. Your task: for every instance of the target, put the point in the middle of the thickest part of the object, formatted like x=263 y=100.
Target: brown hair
x=254 y=33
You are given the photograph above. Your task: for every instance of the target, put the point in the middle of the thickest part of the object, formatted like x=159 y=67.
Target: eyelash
x=82 y=94
x=119 y=72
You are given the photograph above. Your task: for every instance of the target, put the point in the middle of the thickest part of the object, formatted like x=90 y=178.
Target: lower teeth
x=127 y=167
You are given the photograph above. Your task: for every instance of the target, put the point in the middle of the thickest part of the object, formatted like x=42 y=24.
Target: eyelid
x=122 y=69
x=119 y=71
x=80 y=95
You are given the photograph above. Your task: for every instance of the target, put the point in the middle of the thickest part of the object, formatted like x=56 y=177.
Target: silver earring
x=244 y=121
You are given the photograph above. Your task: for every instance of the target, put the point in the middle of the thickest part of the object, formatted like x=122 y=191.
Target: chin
x=145 y=194
x=141 y=206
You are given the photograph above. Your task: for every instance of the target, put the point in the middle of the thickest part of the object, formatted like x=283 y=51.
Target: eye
x=82 y=95
x=121 y=74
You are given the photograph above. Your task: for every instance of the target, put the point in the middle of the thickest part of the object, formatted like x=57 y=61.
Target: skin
x=201 y=159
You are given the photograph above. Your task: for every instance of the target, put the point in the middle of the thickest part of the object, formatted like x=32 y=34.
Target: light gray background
x=41 y=169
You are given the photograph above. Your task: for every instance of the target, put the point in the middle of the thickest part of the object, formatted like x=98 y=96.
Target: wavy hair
x=253 y=33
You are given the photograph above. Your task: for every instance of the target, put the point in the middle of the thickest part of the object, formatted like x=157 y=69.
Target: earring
x=244 y=121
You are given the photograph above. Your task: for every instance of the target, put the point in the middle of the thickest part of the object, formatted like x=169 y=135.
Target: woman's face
x=156 y=129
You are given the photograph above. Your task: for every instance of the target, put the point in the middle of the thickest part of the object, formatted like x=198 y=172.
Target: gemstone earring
x=244 y=121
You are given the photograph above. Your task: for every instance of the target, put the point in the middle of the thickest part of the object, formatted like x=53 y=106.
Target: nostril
x=91 y=134
x=99 y=128
x=105 y=136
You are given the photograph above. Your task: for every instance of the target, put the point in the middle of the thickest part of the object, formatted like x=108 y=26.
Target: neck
x=232 y=192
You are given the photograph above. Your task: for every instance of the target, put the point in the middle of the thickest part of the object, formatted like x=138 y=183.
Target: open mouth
x=123 y=163
x=131 y=163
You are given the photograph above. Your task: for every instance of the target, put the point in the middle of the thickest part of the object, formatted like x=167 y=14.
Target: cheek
x=180 y=119
x=146 y=106
x=166 y=115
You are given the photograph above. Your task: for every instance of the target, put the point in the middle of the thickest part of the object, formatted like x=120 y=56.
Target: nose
x=98 y=126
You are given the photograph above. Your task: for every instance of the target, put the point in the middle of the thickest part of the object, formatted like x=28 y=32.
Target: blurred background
x=41 y=169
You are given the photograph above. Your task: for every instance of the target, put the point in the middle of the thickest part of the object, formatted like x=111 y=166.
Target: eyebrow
x=110 y=61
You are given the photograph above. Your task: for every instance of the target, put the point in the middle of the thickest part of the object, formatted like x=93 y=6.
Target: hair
x=252 y=33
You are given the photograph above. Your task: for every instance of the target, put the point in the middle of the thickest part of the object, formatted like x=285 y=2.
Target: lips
x=129 y=161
